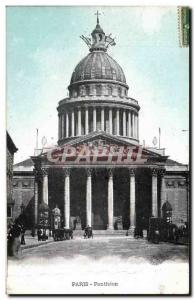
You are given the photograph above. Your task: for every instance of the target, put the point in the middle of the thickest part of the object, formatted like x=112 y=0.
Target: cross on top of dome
x=97 y=14
x=99 y=41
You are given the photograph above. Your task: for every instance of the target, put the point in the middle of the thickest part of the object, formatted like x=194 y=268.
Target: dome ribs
x=98 y=65
x=86 y=68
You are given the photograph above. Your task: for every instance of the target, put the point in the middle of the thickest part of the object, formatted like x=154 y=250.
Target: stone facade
x=23 y=191
x=11 y=149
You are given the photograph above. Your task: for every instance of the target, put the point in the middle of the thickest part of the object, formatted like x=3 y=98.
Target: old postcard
x=98 y=150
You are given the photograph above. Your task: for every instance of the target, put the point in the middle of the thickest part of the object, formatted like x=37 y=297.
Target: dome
x=98 y=65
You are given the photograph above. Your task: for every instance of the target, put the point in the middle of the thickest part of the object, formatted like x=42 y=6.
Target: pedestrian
x=39 y=234
x=22 y=235
x=15 y=234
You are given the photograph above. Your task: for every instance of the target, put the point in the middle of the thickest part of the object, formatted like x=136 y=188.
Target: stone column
x=162 y=189
x=45 y=186
x=117 y=122
x=94 y=119
x=79 y=121
x=67 y=125
x=72 y=119
x=89 y=197
x=132 y=199
x=67 y=198
x=129 y=124
x=102 y=118
x=110 y=120
x=59 y=126
x=110 y=200
x=36 y=201
x=124 y=123
x=86 y=121
x=133 y=124
x=154 y=194
x=62 y=126
x=137 y=127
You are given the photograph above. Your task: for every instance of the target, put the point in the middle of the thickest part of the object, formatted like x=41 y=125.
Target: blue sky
x=43 y=48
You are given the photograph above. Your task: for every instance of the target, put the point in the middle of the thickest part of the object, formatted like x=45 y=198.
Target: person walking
x=22 y=235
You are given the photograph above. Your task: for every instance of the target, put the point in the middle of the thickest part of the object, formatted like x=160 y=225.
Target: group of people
x=15 y=238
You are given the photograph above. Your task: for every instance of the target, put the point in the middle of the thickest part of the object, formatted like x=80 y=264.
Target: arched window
x=119 y=91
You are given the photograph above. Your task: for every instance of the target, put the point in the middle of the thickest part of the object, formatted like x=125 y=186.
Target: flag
x=86 y=40
x=110 y=41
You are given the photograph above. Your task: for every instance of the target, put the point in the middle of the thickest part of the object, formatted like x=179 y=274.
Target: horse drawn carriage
x=61 y=234
x=162 y=231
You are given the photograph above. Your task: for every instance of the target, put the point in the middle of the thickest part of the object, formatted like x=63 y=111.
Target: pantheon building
x=99 y=174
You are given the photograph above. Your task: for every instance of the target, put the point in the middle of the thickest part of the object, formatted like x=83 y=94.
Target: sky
x=43 y=46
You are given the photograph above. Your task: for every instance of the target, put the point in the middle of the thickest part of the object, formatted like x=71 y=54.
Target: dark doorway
x=121 y=199
x=78 y=198
x=99 y=199
x=143 y=197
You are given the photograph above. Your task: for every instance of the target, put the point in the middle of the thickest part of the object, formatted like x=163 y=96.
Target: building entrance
x=99 y=200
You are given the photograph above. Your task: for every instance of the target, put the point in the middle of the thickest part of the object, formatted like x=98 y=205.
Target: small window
x=98 y=90
x=9 y=212
x=119 y=92
x=109 y=90
x=75 y=93
x=87 y=90
x=82 y=90
x=114 y=74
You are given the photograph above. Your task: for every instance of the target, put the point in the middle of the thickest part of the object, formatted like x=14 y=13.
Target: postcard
x=98 y=189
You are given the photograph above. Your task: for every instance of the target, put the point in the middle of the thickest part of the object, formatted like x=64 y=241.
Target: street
x=136 y=265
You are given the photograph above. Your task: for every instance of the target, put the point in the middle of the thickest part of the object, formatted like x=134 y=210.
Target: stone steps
x=102 y=232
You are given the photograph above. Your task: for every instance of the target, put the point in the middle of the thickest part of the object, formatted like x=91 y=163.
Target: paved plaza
x=102 y=246
x=136 y=266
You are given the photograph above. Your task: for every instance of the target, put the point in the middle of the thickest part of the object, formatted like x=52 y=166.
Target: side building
x=23 y=192
x=11 y=149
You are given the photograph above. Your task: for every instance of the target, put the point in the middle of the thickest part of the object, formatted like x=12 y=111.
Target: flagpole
x=37 y=138
x=159 y=138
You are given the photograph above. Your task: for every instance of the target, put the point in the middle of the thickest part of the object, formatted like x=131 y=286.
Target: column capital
x=131 y=171
x=44 y=171
x=154 y=171
x=89 y=172
x=66 y=172
x=37 y=174
x=110 y=172
x=162 y=172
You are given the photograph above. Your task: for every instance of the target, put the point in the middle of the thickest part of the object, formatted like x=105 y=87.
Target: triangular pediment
x=100 y=138
x=101 y=148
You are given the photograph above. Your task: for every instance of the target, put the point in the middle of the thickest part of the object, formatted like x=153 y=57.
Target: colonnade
x=110 y=200
x=81 y=121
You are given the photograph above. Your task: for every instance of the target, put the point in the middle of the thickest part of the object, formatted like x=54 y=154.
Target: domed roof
x=98 y=65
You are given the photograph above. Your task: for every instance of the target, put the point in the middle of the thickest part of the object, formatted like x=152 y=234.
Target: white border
x=3 y=5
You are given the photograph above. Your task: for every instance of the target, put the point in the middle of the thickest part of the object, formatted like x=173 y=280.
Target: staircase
x=102 y=233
